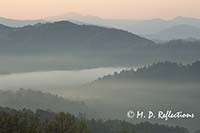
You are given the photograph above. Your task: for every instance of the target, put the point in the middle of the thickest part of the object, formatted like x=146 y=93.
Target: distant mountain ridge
x=65 y=45
x=66 y=35
x=178 y=32
x=140 y=27
x=19 y=23
x=157 y=29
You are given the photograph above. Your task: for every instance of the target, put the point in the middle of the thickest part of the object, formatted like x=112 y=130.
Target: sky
x=117 y=9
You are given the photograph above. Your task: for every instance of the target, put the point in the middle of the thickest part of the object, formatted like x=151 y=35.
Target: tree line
x=40 y=121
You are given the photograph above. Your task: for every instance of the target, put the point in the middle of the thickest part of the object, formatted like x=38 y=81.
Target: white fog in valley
x=53 y=79
x=110 y=98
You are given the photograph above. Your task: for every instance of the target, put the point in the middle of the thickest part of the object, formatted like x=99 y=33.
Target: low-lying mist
x=114 y=99
x=53 y=79
x=111 y=99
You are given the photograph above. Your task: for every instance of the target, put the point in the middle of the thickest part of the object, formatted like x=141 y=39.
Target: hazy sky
x=131 y=9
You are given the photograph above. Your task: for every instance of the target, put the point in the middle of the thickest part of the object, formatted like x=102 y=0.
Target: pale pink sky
x=129 y=9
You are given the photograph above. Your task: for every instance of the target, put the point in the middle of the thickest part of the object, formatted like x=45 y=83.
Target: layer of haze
x=129 y=9
x=53 y=79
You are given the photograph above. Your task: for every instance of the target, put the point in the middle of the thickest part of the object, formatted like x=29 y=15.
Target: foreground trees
x=66 y=123
x=25 y=121
x=40 y=121
x=18 y=122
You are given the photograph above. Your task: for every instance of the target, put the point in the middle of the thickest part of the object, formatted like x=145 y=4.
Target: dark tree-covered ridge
x=35 y=99
x=64 y=45
x=162 y=71
x=40 y=121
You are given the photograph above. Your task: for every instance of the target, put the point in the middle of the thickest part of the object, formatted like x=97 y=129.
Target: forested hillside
x=40 y=121
x=64 y=45
x=162 y=71
x=35 y=99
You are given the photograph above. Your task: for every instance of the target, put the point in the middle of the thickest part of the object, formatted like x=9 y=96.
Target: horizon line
x=88 y=15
